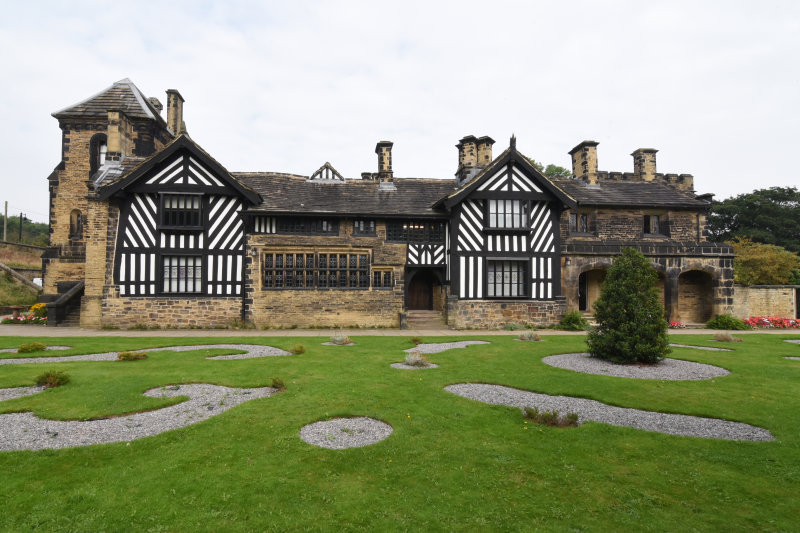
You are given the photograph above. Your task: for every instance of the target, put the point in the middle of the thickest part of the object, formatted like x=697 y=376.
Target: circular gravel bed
x=403 y=366
x=19 y=392
x=442 y=346
x=341 y=433
x=685 y=425
x=335 y=344
x=709 y=348
x=14 y=350
x=26 y=431
x=667 y=369
x=253 y=351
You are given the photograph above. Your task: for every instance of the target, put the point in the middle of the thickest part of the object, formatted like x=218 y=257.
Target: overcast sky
x=286 y=86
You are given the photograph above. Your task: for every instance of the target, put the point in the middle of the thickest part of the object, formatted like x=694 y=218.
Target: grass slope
x=12 y=292
x=451 y=464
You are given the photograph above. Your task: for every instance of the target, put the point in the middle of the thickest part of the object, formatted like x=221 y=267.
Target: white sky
x=285 y=86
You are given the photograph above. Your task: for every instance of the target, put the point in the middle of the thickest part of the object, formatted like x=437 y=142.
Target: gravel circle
x=442 y=346
x=334 y=344
x=341 y=433
x=26 y=431
x=253 y=351
x=672 y=424
x=19 y=392
x=404 y=366
x=667 y=369
x=709 y=348
x=14 y=350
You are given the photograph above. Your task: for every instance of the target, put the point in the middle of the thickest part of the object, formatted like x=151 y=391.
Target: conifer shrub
x=630 y=318
x=52 y=379
x=30 y=347
x=573 y=321
x=726 y=322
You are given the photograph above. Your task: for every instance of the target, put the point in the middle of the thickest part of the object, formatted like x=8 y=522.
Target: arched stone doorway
x=424 y=290
x=589 y=285
x=695 y=296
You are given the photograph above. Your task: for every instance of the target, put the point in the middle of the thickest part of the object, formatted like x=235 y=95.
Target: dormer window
x=181 y=211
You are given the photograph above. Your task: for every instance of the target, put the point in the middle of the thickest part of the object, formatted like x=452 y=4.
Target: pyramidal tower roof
x=122 y=95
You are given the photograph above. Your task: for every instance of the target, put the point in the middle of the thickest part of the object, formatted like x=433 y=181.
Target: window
x=181 y=211
x=308 y=226
x=364 y=227
x=578 y=223
x=382 y=279
x=182 y=274
x=652 y=225
x=506 y=279
x=75 y=224
x=415 y=231
x=506 y=214
x=98 y=148
x=306 y=270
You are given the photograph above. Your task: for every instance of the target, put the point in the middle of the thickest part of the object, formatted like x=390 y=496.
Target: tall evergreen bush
x=630 y=318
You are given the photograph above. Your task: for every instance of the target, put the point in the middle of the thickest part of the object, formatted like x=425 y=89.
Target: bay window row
x=321 y=270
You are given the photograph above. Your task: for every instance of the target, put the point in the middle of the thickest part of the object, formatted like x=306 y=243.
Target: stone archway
x=695 y=297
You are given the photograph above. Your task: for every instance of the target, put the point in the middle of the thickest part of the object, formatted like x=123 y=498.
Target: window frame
x=522 y=285
x=519 y=218
x=579 y=223
x=323 y=273
x=357 y=232
x=382 y=273
x=417 y=231
x=163 y=211
x=289 y=225
x=647 y=225
x=165 y=278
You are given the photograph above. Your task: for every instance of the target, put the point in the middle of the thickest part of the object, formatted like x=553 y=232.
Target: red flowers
x=772 y=322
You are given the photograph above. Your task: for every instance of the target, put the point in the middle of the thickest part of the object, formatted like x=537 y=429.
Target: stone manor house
x=148 y=228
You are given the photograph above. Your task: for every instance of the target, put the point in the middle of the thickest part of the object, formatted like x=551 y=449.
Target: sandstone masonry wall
x=766 y=300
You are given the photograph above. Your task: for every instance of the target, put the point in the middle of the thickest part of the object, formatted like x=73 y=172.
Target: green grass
x=451 y=464
x=13 y=292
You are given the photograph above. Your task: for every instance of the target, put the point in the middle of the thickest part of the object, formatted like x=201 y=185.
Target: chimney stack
x=384 y=151
x=467 y=152
x=484 y=145
x=175 y=112
x=584 y=161
x=644 y=164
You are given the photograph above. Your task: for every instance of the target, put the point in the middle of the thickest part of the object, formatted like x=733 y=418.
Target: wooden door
x=420 y=292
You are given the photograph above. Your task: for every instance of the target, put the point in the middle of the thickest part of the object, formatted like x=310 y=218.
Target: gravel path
x=690 y=426
x=26 y=431
x=442 y=346
x=403 y=366
x=667 y=369
x=14 y=350
x=336 y=344
x=794 y=341
x=709 y=348
x=253 y=351
x=341 y=433
x=19 y=392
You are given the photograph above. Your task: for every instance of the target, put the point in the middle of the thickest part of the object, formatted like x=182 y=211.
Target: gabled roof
x=180 y=143
x=292 y=194
x=326 y=173
x=122 y=95
x=630 y=194
x=510 y=155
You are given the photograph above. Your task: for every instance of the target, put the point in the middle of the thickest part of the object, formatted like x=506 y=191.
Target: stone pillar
x=175 y=112
x=671 y=295
x=584 y=161
x=96 y=263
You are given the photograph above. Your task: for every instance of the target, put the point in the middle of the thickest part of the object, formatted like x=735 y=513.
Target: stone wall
x=766 y=300
x=126 y=312
x=493 y=314
x=628 y=224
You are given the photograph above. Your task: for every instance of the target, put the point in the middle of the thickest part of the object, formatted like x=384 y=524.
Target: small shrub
x=39 y=310
x=512 y=326
x=726 y=322
x=726 y=337
x=573 y=321
x=416 y=359
x=297 y=349
x=341 y=339
x=131 y=356
x=416 y=340
x=52 y=379
x=550 y=418
x=529 y=336
x=30 y=347
x=277 y=383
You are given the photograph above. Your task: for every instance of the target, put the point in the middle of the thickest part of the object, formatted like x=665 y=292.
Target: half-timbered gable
x=504 y=237
x=181 y=230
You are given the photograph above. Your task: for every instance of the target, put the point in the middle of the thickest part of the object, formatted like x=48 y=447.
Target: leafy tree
x=551 y=171
x=35 y=233
x=763 y=264
x=630 y=318
x=770 y=216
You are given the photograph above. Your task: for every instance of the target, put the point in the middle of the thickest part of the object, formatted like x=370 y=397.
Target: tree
x=769 y=216
x=551 y=171
x=630 y=318
x=763 y=264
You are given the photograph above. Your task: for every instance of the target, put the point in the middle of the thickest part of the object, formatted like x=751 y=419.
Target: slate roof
x=289 y=193
x=629 y=194
x=123 y=95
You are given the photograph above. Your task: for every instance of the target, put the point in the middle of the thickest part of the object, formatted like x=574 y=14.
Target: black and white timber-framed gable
x=181 y=230
x=504 y=239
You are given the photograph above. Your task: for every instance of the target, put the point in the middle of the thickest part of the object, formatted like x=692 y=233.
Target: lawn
x=451 y=464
